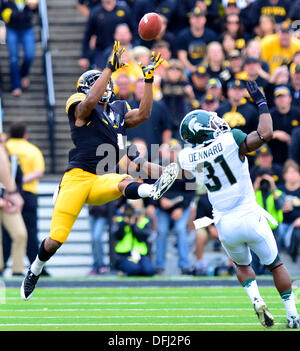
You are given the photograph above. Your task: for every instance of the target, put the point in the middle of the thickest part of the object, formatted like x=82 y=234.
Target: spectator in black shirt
x=210 y=8
x=295 y=84
x=228 y=43
x=124 y=35
x=214 y=87
x=102 y=22
x=177 y=93
x=264 y=160
x=210 y=103
x=235 y=67
x=235 y=27
x=168 y=8
x=252 y=70
x=294 y=12
x=192 y=41
x=294 y=148
x=285 y=118
x=277 y=8
x=237 y=112
x=253 y=49
x=85 y=6
x=214 y=59
x=290 y=227
x=199 y=81
x=18 y=17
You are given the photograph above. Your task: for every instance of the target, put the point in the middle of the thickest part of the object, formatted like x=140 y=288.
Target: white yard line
x=139 y=297
x=132 y=309
x=125 y=324
x=100 y=317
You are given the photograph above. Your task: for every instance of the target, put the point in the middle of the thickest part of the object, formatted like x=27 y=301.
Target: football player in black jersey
x=97 y=130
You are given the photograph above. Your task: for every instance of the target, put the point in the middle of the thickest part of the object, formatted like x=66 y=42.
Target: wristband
x=111 y=67
x=149 y=80
x=263 y=108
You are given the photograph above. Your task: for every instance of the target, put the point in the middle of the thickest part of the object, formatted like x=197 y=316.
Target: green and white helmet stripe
x=201 y=127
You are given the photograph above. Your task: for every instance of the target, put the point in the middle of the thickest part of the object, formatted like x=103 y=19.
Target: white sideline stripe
x=132 y=309
x=118 y=324
x=122 y=303
x=119 y=303
x=83 y=303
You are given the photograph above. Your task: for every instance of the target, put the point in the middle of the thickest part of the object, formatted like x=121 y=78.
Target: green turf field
x=137 y=309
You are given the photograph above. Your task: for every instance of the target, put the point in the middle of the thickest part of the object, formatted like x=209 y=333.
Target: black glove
x=255 y=93
x=115 y=62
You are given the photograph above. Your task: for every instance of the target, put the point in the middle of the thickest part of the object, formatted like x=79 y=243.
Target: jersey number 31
x=211 y=173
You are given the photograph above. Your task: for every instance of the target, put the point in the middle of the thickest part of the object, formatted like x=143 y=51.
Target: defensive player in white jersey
x=217 y=157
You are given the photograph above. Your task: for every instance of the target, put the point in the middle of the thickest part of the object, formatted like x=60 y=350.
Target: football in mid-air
x=150 y=26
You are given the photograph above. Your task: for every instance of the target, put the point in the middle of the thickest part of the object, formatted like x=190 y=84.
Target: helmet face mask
x=200 y=127
x=88 y=79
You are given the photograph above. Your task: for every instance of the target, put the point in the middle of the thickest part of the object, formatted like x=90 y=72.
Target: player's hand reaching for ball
x=255 y=93
x=148 y=70
x=115 y=62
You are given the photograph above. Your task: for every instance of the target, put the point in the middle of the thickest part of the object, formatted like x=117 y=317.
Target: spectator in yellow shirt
x=279 y=49
x=32 y=164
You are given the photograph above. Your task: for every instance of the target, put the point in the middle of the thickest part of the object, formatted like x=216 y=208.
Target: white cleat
x=263 y=314
x=293 y=322
x=165 y=181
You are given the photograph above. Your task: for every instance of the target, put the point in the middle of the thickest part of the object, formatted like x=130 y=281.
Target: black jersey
x=100 y=141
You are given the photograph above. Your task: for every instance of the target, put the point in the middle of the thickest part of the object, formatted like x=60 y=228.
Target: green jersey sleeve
x=238 y=136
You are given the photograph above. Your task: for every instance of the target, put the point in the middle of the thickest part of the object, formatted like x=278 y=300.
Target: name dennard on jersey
x=200 y=155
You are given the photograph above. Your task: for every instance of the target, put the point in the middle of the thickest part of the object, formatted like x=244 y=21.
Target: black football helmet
x=87 y=80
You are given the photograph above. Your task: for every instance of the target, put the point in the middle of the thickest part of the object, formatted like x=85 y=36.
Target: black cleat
x=28 y=285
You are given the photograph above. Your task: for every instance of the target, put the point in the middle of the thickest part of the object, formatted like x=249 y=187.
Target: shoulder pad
x=74 y=99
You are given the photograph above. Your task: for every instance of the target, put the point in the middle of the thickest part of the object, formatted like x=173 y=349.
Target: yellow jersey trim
x=75 y=98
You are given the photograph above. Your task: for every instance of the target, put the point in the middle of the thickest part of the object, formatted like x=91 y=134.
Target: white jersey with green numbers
x=225 y=176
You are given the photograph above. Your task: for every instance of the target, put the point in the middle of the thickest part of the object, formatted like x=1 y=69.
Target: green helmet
x=202 y=127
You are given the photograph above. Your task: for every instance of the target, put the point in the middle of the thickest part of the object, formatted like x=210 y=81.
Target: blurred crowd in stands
x=211 y=48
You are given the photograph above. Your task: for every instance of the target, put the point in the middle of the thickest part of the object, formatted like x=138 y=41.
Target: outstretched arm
x=135 y=117
x=84 y=108
x=264 y=130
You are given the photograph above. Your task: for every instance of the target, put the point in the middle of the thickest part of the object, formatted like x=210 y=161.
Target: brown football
x=150 y=26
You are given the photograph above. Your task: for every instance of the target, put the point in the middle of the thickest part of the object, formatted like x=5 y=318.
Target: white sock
x=37 y=266
x=251 y=289
x=288 y=300
x=144 y=190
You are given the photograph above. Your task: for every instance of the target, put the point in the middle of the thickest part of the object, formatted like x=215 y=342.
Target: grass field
x=137 y=309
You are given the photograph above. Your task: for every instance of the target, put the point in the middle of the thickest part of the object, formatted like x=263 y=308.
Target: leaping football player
x=96 y=121
x=218 y=159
